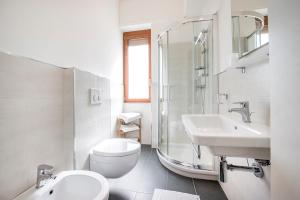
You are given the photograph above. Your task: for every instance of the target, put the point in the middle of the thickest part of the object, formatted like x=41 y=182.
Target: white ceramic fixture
x=160 y=194
x=227 y=137
x=115 y=157
x=75 y=185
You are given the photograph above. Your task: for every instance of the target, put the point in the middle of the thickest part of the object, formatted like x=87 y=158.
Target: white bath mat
x=172 y=195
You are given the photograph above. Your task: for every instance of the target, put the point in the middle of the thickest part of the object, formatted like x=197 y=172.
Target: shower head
x=197 y=39
x=201 y=37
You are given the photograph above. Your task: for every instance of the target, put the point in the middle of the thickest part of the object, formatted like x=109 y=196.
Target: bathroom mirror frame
x=236 y=32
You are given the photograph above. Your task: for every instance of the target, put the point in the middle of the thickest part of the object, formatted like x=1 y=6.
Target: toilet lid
x=117 y=147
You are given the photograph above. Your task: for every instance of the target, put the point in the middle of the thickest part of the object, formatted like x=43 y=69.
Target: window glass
x=138 y=69
x=137 y=66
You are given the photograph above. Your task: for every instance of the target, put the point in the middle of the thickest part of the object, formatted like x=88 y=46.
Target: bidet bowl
x=75 y=185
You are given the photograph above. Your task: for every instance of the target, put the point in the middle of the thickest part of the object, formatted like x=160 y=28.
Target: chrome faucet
x=44 y=172
x=243 y=110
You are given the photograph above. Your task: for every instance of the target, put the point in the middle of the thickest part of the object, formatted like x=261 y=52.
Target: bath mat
x=160 y=194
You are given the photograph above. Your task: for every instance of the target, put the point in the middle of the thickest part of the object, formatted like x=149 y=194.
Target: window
x=137 y=66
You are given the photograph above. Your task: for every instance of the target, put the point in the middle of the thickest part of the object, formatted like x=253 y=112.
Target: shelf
x=129 y=126
x=252 y=58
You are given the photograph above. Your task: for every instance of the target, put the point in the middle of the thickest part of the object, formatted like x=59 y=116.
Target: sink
x=75 y=185
x=227 y=137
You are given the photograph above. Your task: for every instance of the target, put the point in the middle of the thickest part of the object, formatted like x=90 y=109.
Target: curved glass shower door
x=163 y=95
x=187 y=86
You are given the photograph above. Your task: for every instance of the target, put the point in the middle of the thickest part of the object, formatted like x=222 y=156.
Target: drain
x=51 y=192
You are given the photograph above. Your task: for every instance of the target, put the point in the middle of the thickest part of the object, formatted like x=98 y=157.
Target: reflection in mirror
x=250 y=31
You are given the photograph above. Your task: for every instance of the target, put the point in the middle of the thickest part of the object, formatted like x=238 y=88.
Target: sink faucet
x=243 y=110
x=43 y=172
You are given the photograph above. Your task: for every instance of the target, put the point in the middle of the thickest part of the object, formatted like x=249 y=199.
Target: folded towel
x=130 y=117
x=129 y=127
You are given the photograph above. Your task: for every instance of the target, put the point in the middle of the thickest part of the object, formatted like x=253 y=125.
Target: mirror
x=249 y=31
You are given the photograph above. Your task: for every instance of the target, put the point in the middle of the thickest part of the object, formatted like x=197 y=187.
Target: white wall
x=138 y=12
x=201 y=7
x=208 y=7
x=253 y=86
x=246 y=5
x=157 y=15
x=68 y=118
x=92 y=122
x=35 y=123
x=67 y=33
x=224 y=35
x=285 y=98
x=243 y=185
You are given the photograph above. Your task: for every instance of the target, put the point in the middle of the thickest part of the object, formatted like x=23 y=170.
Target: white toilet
x=114 y=157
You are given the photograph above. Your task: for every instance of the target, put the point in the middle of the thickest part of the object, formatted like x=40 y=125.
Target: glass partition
x=187 y=86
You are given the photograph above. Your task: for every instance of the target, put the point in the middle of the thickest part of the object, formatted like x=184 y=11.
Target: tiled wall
x=117 y=104
x=184 y=97
x=252 y=86
x=32 y=125
x=180 y=91
x=69 y=117
x=92 y=122
x=37 y=120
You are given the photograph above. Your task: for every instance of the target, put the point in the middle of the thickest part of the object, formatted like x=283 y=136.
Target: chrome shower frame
x=195 y=19
x=188 y=166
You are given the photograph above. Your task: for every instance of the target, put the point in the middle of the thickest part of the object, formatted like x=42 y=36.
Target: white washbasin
x=70 y=185
x=227 y=137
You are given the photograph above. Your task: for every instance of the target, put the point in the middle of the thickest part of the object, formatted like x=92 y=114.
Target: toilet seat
x=116 y=147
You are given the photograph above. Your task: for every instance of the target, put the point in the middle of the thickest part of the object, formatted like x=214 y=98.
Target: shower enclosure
x=186 y=86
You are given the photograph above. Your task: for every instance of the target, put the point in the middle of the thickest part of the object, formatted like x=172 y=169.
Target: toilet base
x=113 y=166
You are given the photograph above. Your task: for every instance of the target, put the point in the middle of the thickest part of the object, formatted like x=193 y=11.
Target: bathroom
x=214 y=108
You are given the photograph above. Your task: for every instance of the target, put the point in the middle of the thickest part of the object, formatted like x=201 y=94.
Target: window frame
x=142 y=34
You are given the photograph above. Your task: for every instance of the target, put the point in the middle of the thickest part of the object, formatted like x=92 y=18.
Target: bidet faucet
x=43 y=172
x=243 y=110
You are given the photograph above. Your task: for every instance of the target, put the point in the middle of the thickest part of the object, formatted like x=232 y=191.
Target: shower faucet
x=243 y=110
